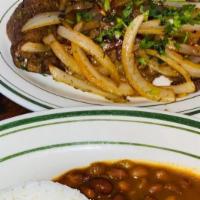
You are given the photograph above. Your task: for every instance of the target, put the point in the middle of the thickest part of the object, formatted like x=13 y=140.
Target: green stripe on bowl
x=24 y=97
x=128 y=113
x=56 y=146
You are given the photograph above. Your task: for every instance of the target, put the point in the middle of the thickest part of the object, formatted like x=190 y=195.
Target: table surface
x=10 y=109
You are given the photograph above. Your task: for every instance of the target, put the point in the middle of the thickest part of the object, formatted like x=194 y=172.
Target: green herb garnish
x=83 y=16
x=150 y=43
x=107 y=5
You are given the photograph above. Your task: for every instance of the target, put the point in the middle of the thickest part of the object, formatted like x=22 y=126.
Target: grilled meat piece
x=26 y=10
x=37 y=62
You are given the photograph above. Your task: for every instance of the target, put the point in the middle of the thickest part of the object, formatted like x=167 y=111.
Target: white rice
x=41 y=190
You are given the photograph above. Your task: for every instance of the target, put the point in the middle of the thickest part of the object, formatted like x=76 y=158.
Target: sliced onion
x=91 y=25
x=62 y=54
x=41 y=20
x=189 y=27
x=171 y=62
x=165 y=69
x=132 y=73
x=195 y=59
x=91 y=48
x=192 y=68
x=184 y=88
x=151 y=23
x=96 y=78
x=32 y=47
x=151 y=31
x=179 y=4
x=83 y=85
x=78 y=6
x=186 y=49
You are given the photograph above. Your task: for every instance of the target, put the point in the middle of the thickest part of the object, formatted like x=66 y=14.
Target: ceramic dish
x=38 y=92
x=43 y=145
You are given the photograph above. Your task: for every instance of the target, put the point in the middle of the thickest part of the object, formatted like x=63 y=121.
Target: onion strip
x=192 y=68
x=151 y=23
x=93 y=76
x=41 y=20
x=71 y=80
x=184 y=88
x=151 y=31
x=32 y=47
x=62 y=54
x=91 y=48
x=178 y=4
x=171 y=63
x=166 y=58
x=163 y=69
x=132 y=73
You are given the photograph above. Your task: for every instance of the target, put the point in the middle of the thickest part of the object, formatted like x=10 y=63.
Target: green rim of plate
x=89 y=143
x=190 y=123
x=46 y=105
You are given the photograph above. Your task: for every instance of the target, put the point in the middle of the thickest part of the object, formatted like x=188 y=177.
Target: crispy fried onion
x=166 y=58
x=83 y=85
x=192 y=68
x=41 y=20
x=32 y=47
x=132 y=73
x=91 y=48
x=62 y=54
x=163 y=69
x=95 y=77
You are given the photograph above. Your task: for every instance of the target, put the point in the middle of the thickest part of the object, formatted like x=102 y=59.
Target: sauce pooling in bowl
x=128 y=180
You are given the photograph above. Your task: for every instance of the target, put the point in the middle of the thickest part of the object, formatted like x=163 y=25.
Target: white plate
x=37 y=92
x=41 y=146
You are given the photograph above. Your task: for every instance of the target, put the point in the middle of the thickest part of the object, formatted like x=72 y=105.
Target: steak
x=34 y=62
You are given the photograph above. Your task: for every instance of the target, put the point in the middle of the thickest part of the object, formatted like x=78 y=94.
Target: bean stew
x=129 y=180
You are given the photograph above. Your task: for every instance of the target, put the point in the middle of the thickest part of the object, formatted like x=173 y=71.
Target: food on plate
x=41 y=190
x=116 y=180
x=112 y=48
x=130 y=180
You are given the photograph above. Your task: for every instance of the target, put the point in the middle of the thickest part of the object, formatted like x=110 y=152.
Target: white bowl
x=44 y=145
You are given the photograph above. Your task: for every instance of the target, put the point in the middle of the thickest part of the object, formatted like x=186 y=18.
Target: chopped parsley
x=174 y=18
x=142 y=61
x=106 y=5
x=83 y=16
x=171 y=19
x=150 y=43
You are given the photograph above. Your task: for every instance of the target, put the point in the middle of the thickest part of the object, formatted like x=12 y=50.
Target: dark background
x=9 y=109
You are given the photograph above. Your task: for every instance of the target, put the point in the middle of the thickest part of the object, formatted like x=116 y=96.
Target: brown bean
x=74 y=180
x=124 y=186
x=139 y=172
x=172 y=188
x=119 y=197
x=88 y=192
x=171 y=198
x=97 y=169
x=185 y=183
x=143 y=184
x=126 y=164
x=162 y=175
x=155 y=188
x=150 y=198
x=101 y=185
x=117 y=173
